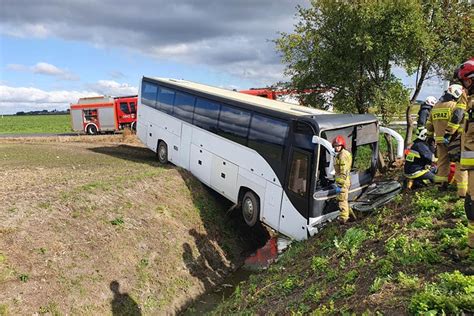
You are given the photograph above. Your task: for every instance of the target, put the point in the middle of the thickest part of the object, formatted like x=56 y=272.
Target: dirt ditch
x=94 y=225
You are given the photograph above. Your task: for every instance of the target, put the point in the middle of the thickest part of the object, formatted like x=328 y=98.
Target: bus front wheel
x=162 y=152
x=250 y=208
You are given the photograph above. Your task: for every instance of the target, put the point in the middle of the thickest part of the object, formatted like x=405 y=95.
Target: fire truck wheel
x=162 y=152
x=250 y=208
x=91 y=130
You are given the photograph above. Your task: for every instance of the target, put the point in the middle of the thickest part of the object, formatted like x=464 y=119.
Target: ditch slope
x=94 y=225
x=404 y=259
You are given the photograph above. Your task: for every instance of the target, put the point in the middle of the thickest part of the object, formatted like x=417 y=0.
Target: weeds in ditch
x=351 y=241
x=452 y=294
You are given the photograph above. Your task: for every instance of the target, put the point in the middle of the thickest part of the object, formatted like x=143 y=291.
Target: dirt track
x=94 y=225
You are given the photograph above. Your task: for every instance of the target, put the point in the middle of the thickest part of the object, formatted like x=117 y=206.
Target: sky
x=53 y=52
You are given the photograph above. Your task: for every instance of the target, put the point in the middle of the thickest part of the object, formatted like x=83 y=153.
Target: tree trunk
x=381 y=163
x=391 y=155
x=409 y=129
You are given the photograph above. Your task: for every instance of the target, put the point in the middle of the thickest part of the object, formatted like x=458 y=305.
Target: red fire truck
x=288 y=96
x=93 y=115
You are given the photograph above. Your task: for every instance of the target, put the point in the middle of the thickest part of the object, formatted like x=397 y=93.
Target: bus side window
x=206 y=113
x=166 y=100
x=234 y=124
x=149 y=93
x=267 y=136
x=184 y=106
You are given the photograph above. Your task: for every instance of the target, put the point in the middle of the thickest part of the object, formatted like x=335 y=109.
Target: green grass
x=35 y=124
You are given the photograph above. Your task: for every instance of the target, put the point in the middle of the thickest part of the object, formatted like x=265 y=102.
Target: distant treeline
x=43 y=112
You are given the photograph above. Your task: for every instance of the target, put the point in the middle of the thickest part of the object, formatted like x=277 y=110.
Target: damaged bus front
x=361 y=133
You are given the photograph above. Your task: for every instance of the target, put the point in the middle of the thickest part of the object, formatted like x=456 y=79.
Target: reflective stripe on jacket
x=417 y=157
x=467 y=142
x=342 y=167
x=439 y=119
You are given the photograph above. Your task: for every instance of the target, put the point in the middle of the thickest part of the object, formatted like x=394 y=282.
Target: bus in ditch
x=272 y=158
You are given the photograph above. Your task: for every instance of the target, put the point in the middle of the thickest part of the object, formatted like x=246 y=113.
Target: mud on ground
x=94 y=225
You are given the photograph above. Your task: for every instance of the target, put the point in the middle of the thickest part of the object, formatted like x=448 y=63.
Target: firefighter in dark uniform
x=424 y=113
x=418 y=169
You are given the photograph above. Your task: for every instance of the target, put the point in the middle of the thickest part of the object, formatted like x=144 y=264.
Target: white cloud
x=46 y=69
x=15 y=99
x=227 y=36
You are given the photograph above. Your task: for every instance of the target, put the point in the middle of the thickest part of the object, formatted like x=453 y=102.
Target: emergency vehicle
x=93 y=115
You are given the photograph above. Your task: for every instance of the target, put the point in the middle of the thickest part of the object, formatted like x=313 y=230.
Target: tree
x=445 y=36
x=349 y=48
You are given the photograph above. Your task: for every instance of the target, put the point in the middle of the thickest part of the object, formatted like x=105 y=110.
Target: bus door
x=299 y=179
x=301 y=160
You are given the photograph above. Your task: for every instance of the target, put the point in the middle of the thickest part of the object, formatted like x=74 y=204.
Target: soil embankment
x=94 y=225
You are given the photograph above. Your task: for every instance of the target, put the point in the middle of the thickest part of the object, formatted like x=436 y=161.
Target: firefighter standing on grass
x=437 y=124
x=465 y=74
x=343 y=164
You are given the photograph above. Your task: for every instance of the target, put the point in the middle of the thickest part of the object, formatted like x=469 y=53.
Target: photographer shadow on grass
x=122 y=303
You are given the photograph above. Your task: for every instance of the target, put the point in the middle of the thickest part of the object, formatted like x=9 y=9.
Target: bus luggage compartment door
x=200 y=164
x=224 y=177
x=377 y=194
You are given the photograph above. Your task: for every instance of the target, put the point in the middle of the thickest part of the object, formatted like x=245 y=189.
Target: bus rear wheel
x=91 y=130
x=162 y=152
x=250 y=208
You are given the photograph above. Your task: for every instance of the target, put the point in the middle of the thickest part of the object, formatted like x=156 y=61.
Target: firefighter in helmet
x=424 y=113
x=465 y=74
x=419 y=157
x=342 y=166
x=437 y=124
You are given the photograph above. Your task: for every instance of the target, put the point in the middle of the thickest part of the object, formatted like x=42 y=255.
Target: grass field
x=35 y=124
x=82 y=215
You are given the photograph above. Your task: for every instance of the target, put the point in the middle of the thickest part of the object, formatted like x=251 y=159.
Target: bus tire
x=162 y=152
x=250 y=208
x=133 y=127
x=91 y=129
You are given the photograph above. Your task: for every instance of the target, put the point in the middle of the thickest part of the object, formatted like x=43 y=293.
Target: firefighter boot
x=443 y=187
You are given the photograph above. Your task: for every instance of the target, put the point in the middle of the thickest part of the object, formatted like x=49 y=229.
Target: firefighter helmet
x=455 y=90
x=339 y=141
x=431 y=100
x=422 y=134
x=465 y=73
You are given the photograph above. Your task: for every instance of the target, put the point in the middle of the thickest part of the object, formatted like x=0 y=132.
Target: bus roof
x=282 y=107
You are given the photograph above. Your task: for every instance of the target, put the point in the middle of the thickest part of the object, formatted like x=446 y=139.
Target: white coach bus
x=272 y=158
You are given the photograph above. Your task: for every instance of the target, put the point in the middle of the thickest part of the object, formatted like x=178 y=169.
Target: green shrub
x=384 y=267
x=378 y=283
x=458 y=209
x=405 y=251
x=352 y=240
x=453 y=237
x=407 y=281
x=319 y=264
x=289 y=284
x=428 y=205
x=423 y=222
x=453 y=294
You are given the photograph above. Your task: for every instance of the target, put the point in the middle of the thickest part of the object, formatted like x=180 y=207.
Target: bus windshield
x=361 y=142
